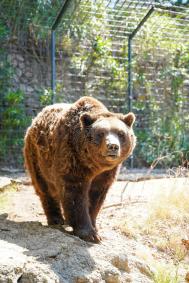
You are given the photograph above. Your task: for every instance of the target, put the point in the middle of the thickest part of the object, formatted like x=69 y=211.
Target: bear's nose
x=113 y=147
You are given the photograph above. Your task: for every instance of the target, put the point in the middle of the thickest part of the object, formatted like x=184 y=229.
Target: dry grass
x=160 y=225
x=166 y=274
x=162 y=271
x=165 y=222
x=6 y=195
x=171 y=205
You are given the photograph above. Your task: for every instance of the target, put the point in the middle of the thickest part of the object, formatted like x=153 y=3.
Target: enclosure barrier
x=132 y=55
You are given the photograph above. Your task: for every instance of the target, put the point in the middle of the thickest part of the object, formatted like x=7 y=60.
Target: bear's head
x=110 y=137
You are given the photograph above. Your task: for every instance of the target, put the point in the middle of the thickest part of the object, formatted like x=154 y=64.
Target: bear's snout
x=112 y=145
x=114 y=148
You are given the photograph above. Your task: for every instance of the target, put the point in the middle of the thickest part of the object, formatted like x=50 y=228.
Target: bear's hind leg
x=51 y=205
x=52 y=208
x=98 y=191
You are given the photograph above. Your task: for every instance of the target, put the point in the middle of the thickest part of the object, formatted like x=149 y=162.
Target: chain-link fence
x=132 y=55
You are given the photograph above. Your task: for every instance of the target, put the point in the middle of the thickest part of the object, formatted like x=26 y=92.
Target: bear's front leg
x=98 y=190
x=76 y=208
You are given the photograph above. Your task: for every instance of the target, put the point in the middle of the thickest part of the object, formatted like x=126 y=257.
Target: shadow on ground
x=31 y=252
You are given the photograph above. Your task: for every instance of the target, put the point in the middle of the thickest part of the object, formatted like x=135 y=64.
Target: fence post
x=130 y=94
x=53 y=65
x=53 y=47
x=130 y=91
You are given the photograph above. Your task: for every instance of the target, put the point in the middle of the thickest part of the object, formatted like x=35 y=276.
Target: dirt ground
x=125 y=212
x=24 y=204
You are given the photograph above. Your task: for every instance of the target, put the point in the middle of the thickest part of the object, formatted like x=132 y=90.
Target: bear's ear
x=87 y=120
x=129 y=119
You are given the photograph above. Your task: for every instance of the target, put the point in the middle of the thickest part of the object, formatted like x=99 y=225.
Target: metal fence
x=133 y=56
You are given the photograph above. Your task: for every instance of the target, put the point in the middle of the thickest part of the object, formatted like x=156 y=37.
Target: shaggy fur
x=72 y=152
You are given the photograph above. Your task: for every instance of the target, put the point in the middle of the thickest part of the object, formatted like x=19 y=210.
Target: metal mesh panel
x=92 y=57
x=93 y=50
x=160 y=87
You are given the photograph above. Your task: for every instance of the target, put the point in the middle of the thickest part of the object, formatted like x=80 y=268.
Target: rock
x=14 y=62
x=82 y=280
x=33 y=253
x=23 y=87
x=92 y=278
x=187 y=277
x=28 y=75
x=12 y=261
x=144 y=268
x=21 y=66
x=127 y=278
x=15 y=79
x=18 y=72
x=9 y=58
x=34 y=82
x=35 y=273
x=4 y=182
x=20 y=58
x=30 y=102
x=29 y=89
x=24 y=80
x=186 y=82
x=121 y=262
x=112 y=276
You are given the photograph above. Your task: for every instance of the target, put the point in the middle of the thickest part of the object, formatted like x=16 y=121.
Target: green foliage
x=4 y=31
x=166 y=274
x=89 y=44
x=14 y=114
x=45 y=97
x=12 y=126
x=28 y=14
x=160 y=93
x=173 y=2
x=26 y=22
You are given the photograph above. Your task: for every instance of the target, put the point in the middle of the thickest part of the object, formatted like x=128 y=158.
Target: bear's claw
x=89 y=236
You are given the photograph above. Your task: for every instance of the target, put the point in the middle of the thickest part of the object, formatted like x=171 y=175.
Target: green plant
x=165 y=274
x=162 y=97
x=158 y=94
x=45 y=97
x=13 y=123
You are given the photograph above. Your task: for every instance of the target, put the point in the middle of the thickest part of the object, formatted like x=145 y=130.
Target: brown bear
x=73 y=152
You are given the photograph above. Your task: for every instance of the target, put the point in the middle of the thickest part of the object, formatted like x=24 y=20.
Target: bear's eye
x=98 y=137
x=121 y=135
x=100 y=134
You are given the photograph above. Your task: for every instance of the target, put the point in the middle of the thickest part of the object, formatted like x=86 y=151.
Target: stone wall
x=30 y=75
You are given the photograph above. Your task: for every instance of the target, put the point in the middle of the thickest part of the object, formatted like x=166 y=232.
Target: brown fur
x=66 y=155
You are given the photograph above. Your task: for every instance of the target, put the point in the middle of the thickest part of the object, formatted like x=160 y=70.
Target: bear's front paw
x=55 y=220
x=88 y=235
